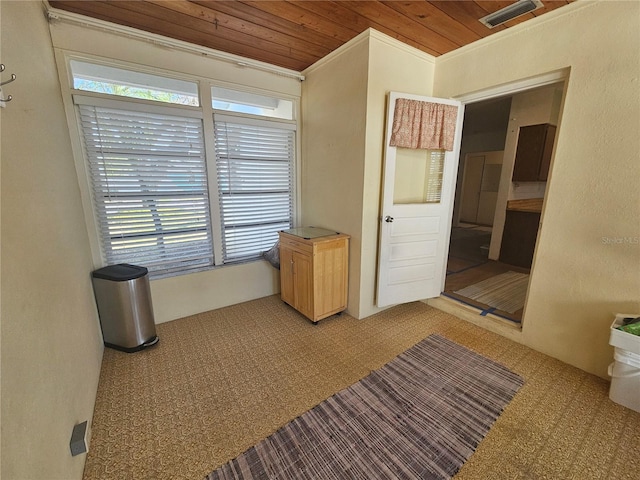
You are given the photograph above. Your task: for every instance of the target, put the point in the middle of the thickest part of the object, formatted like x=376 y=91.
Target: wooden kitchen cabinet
x=519 y=238
x=533 y=153
x=314 y=266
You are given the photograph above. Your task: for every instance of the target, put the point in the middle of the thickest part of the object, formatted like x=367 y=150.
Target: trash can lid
x=120 y=272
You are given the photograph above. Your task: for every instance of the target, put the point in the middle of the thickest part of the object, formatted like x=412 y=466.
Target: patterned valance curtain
x=425 y=125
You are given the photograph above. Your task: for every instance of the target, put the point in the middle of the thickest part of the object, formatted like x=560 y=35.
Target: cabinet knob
x=388 y=219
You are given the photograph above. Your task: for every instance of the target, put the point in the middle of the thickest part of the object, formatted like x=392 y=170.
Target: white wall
x=587 y=260
x=343 y=110
x=51 y=343
x=183 y=295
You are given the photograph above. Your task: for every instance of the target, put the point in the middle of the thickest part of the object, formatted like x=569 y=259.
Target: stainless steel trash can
x=124 y=304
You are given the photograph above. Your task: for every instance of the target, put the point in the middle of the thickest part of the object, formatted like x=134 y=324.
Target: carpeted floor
x=420 y=416
x=219 y=382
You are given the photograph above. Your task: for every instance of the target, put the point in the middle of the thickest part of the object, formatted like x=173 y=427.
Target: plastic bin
x=124 y=304
x=625 y=370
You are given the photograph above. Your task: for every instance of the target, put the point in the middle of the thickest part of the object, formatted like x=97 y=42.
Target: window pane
x=418 y=176
x=255 y=184
x=127 y=83
x=243 y=102
x=149 y=182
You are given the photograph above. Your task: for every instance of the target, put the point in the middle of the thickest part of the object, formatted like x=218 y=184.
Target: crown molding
x=370 y=33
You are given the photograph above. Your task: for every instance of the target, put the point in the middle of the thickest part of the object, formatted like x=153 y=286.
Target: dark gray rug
x=420 y=416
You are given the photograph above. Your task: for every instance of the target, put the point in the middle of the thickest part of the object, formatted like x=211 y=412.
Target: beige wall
x=587 y=264
x=183 y=295
x=334 y=106
x=343 y=112
x=51 y=343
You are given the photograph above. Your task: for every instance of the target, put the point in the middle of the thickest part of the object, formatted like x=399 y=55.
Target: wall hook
x=3 y=100
x=13 y=77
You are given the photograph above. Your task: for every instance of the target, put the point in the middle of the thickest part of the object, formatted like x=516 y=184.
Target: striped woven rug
x=505 y=292
x=420 y=416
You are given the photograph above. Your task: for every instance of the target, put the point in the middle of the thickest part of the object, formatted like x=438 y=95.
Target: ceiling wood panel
x=401 y=27
x=212 y=20
x=309 y=19
x=467 y=14
x=431 y=17
x=295 y=34
x=265 y=19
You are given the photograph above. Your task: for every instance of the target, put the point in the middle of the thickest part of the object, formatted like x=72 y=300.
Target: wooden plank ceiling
x=295 y=34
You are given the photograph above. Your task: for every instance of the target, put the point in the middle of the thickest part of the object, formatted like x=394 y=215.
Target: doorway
x=480 y=273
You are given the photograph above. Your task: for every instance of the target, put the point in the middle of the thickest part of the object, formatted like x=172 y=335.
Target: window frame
x=205 y=111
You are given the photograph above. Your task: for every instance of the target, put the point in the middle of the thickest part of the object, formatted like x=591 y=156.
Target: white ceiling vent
x=509 y=13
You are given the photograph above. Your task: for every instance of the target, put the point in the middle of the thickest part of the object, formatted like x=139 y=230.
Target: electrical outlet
x=78 y=442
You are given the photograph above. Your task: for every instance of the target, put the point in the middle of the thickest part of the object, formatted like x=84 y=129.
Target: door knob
x=388 y=219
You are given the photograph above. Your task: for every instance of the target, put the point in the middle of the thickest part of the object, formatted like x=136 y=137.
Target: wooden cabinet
x=533 y=153
x=519 y=238
x=314 y=265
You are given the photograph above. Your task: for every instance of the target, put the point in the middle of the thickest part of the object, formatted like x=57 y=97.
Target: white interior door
x=417 y=205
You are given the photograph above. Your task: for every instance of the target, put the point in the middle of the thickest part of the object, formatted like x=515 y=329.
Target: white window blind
x=149 y=181
x=435 y=169
x=255 y=165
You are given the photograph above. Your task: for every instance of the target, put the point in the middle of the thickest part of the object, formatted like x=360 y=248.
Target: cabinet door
x=330 y=277
x=286 y=276
x=303 y=284
x=529 y=153
x=519 y=238
x=547 y=151
x=533 y=154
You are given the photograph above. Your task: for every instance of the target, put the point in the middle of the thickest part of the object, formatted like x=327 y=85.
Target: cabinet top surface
x=310 y=232
x=526 y=205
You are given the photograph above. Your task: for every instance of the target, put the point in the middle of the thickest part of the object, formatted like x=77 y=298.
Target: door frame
x=513 y=88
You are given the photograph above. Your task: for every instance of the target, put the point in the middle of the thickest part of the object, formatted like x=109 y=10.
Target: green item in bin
x=631 y=326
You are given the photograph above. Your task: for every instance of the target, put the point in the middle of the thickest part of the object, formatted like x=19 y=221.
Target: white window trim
x=204 y=111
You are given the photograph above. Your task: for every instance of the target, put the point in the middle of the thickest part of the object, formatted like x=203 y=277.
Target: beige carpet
x=420 y=416
x=219 y=382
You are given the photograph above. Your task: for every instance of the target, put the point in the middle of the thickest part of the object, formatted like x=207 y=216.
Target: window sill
x=161 y=276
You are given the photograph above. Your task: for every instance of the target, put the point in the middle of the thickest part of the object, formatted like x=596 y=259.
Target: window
x=149 y=183
x=254 y=162
x=171 y=191
x=244 y=102
x=97 y=78
x=418 y=176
